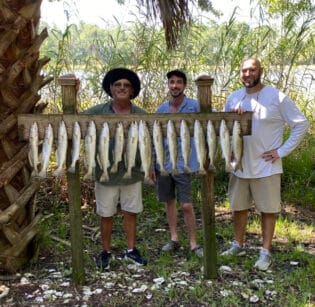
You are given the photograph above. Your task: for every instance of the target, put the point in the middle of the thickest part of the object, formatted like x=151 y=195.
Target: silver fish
x=200 y=143
x=119 y=147
x=185 y=144
x=90 y=150
x=172 y=145
x=145 y=148
x=33 y=150
x=212 y=144
x=61 y=152
x=103 y=152
x=159 y=147
x=46 y=150
x=131 y=150
x=76 y=140
x=237 y=146
x=225 y=145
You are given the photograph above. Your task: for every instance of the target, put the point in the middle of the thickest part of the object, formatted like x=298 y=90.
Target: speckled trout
x=61 y=152
x=103 y=152
x=131 y=150
x=46 y=150
x=145 y=148
x=33 y=150
x=172 y=145
x=185 y=144
x=212 y=144
x=200 y=143
x=159 y=147
x=89 y=151
x=118 y=147
x=75 y=151
x=225 y=145
x=237 y=146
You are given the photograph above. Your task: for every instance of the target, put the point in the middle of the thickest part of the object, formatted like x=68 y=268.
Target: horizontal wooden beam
x=25 y=121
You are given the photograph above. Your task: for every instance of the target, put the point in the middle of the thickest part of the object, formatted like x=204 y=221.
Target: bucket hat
x=121 y=73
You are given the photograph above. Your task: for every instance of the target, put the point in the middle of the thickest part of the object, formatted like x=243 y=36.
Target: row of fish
x=138 y=137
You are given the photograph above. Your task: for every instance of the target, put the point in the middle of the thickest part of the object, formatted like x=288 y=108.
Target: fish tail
x=104 y=177
x=71 y=169
x=114 y=168
x=42 y=173
x=127 y=175
x=58 y=172
x=187 y=169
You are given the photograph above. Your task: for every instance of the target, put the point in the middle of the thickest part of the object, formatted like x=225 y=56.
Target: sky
x=101 y=12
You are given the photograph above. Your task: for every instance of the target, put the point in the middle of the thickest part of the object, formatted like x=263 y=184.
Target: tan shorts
x=264 y=192
x=107 y=198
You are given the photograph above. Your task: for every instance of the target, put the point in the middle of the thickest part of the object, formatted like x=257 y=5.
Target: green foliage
x=298 y=181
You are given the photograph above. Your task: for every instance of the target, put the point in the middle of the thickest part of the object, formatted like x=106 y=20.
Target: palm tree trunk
x=20 y=82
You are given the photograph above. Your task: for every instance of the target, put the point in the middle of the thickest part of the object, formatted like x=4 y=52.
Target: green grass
x=290 y=282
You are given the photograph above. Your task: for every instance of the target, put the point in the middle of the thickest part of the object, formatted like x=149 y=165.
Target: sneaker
x=235 y=249
x=264 y=260
x=135 y=257
x=103 y=260
x=171 y=246
x=198 y=251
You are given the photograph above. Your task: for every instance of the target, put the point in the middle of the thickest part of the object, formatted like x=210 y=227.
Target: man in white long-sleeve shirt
x=259 y=181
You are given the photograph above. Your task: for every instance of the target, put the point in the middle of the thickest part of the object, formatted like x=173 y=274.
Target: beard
x=254 y=83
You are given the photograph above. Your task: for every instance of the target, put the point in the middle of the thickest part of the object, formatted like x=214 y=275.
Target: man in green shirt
x=122 y=85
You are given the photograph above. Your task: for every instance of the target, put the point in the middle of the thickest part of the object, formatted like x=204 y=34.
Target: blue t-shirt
x=188 y=105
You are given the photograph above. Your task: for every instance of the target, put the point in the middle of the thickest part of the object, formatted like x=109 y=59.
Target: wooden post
x=69 y=104
x=204 y=84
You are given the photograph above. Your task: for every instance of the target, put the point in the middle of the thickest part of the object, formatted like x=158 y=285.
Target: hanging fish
x=76 y=141
x=159 y=147
x=200 y=143
x=61 y=152
x=131 y=150
x=145 y=148
x=212 y=144
x=46 y=150
x=237 y=146
x=225 y=145
x=103 y=152
x=90 y=150
x=33 y=150
x=185 y=144
x=172 y=145
x=119 y=147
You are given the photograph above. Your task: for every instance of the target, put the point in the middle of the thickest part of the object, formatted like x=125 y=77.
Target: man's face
x=176 y=86
x=250 y=73
x=122 y=89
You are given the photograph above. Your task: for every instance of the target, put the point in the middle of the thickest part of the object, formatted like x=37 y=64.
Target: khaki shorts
x=264 y=192
x=128 y=196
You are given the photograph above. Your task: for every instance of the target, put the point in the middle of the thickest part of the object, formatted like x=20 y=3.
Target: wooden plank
x=204 y=92
x=26 y=120
x=69 y=105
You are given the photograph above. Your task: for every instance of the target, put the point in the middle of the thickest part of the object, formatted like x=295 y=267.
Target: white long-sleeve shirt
x=272 y=110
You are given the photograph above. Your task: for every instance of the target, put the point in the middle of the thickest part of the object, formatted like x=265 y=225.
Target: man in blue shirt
x=167 y=186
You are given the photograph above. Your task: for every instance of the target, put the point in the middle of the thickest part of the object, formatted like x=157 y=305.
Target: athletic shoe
x=103 y=260
x=198 y=251
x=235 y=249
x=264 y=260
x=171 y=246
x=135 y=257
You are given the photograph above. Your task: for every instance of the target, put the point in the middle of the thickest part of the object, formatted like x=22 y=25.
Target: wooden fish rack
x=69 y=91
x=25 y=122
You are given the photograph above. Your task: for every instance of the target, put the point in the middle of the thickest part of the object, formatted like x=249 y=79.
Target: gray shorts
x=107 y=198
x=264 y=192
x=167 y=186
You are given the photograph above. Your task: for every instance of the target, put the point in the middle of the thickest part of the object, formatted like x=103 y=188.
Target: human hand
x=270 y=155
x=240 y=111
